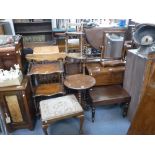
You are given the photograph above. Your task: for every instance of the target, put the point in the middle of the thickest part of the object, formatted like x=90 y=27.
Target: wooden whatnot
x=43 y=84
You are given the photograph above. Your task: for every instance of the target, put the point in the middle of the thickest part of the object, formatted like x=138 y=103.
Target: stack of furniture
x=15 y=100
x=44 y=64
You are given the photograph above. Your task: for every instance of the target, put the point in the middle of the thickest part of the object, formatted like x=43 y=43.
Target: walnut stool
x=59 y=108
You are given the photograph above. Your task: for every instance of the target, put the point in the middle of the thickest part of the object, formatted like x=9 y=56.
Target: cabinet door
x=9 y=61
x=14 y=109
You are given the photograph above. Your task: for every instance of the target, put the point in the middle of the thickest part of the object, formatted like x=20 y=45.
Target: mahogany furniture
x=106 y=72
x=106 y=95
x=96 y=37
x=17 y=106
x=11 y=54
x=143 y=122
x=136 y=78
x=79 y=82
x=60 y=108
x=108 y=90
x=43 y=82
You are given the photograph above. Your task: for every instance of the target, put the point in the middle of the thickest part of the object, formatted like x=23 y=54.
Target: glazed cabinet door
x=14 y=110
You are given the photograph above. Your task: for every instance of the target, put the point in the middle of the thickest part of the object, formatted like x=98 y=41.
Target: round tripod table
x=79 y=82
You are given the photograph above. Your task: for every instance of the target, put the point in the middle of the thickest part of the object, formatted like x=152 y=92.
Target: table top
x=46 y=57
x=79 y=81
x=46 y=50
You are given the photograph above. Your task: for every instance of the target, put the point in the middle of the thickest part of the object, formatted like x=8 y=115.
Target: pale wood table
x=45 y=57
x=46 y=50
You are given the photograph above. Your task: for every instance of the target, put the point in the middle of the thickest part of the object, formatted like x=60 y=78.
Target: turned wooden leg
x=81 y=117
x=93 y=113
x=80 y=98
x=44 y=127
x=125 y=109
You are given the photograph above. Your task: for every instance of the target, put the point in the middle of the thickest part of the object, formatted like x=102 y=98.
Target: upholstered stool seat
x=60 y=108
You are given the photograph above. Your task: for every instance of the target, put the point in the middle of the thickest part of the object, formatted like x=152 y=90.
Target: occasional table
x=79 y=82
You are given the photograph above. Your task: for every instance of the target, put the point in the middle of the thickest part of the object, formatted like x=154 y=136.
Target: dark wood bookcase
x=34 y=30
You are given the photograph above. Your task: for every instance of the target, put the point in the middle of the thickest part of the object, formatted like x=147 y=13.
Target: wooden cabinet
x=144 y=120
x=15 y=102
x=10 y=55
x=137 y=73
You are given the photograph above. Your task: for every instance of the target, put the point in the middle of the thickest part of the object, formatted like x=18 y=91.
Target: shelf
x=34 y=32
x=49 y=89
x=46 y=68
x=31 y=23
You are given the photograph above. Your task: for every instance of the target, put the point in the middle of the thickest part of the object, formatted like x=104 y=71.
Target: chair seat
x=109 y=95
x=59 y=107
x=49 y=89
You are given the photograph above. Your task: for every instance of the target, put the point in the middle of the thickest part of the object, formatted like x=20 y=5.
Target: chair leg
x=125 y=109
x=93 y=113
x=44 y=127
x=81 y=117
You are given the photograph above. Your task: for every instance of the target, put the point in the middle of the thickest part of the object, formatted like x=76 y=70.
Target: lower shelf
x=49 y=89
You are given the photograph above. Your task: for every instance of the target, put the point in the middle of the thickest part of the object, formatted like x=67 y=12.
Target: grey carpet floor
x=108 y=121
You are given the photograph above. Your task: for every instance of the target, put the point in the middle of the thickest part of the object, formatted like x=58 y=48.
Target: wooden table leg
x=81 y=117
x=44 y=127
x=80 y=97
x=125 y=109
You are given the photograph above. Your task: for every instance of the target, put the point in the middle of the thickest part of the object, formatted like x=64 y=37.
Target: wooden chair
x=60 y=108
x=108 y=89
x=74 y=40
x=107 y=95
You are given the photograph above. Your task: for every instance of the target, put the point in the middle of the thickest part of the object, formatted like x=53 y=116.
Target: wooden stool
x=106 y=95
x=59 y=108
